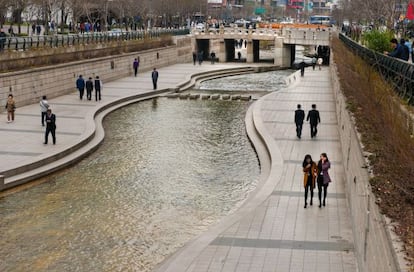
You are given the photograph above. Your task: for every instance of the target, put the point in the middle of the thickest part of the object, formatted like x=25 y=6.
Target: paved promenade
x=21 y=143
x=273 y=231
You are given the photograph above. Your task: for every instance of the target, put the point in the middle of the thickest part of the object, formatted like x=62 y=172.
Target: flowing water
x=167 y=170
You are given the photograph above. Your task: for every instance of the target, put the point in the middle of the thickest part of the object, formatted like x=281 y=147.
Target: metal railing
x=54 y=41
x=399 y=73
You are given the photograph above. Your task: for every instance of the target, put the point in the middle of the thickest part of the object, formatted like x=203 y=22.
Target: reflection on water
x=166 y=171
x=269 y=81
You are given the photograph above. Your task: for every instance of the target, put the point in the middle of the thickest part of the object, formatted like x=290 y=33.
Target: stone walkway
x=273 y=231
x=21 y=143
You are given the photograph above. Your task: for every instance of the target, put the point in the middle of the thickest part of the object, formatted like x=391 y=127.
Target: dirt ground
x=385 y=136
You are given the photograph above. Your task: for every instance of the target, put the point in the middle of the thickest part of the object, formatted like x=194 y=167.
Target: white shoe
x=8 y=121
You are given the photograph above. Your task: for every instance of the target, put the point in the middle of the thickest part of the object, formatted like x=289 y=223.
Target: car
x=200 y=26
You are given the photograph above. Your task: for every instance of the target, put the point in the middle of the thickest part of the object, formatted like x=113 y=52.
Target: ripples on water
x=166 y=171
x=269 y=81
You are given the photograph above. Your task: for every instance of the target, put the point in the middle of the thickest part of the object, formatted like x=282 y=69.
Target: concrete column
x=282 y=54
x=221 y=53
x=249 y=49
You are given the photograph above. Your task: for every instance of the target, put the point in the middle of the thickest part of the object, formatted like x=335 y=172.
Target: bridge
x=282 y=41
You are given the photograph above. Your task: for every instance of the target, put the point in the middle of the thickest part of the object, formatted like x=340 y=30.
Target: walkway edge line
x=271 y=162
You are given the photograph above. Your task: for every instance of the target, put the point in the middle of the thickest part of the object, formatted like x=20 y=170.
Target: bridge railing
x=399 y=73
x=53 y=41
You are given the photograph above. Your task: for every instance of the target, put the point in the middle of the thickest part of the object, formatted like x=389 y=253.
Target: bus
x=320 y=20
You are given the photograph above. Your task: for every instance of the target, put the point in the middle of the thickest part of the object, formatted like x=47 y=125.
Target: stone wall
x=28 y=86
x=374 y=248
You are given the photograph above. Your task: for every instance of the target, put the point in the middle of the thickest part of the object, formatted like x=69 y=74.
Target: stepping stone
x=172 y=95
x=194 y=96
x=205 y=96
x=235 y=97
x=225 y=97
x=245 y=97
x=215 y=96
x=184 y=96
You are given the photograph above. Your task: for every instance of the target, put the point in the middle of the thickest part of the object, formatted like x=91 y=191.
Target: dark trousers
x=314 y=129
x=307 y=188
x=324 y=187
x=136 y=71
x=299 y=129
x=43 y=118
x=89 y=94
x=97 y=95
x=154 y=83
x=81 y=91
x=52 y=130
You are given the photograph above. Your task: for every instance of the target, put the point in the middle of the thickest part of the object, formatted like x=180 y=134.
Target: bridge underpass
x=283 y=42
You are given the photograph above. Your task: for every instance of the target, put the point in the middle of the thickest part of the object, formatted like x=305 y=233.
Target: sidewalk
x=21 y=143
x=272 y=231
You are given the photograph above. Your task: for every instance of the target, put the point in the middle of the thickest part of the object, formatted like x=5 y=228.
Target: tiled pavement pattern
x=279 y=234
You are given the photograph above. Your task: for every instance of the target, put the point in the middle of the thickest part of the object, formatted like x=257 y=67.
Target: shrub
x=378 y=40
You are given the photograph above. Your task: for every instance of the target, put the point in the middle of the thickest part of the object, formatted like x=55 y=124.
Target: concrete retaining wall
x=29 y=85
x=372 y=236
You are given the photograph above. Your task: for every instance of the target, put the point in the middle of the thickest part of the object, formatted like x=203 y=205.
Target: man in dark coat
x=80 y=85
x=314 y=120
x=2 y=39
x=397 y=51
x=89 y=88
x=135 y=65
x=98 y=86
x=299 y=117
x=154 y=76
x=406 y=51
x=50 y=126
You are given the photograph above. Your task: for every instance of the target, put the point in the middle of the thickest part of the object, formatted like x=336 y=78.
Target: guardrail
x=399 y=73
x=53 y=41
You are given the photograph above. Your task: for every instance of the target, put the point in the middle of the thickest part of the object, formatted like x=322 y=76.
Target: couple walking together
x=316 y=173
x=313 y=118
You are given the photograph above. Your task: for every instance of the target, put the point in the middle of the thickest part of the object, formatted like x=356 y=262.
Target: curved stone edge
x=49 y=163
x=271 y=163
x=90 y=141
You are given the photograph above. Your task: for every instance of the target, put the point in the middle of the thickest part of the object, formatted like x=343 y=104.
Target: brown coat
x=314 y=174
x=10 y=105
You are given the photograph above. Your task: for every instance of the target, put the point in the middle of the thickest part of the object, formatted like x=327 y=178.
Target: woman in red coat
x=310 y=171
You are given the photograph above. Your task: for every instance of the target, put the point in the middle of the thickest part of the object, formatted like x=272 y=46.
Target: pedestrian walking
x=10 y=108
x=194 y=58
x=314 y=119
x=135 y=65
x=299 y=117
x=320 y=61
x=44 y=105
x=213 y=57
x=200 y=57
x=2 y=39
x=89 y=88
x=302 y=66
x=154 y=76
x=50 y=126
x=323 y=178
x=80 y=85
x=310 y=171
x=314 y=60
x=98 y=87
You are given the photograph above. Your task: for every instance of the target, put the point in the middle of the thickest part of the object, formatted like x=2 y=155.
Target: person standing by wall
x=299 y=117
x=194 y=58
x=2 y=39
x=80 y=85
x=89 y=88
x=310 y=171
x=135 y=65
x=98 y=87
x=10 y=108
x=323 y=178
x=50 y=126
x=154 y=76
x=44 y=105
x=314 y=119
